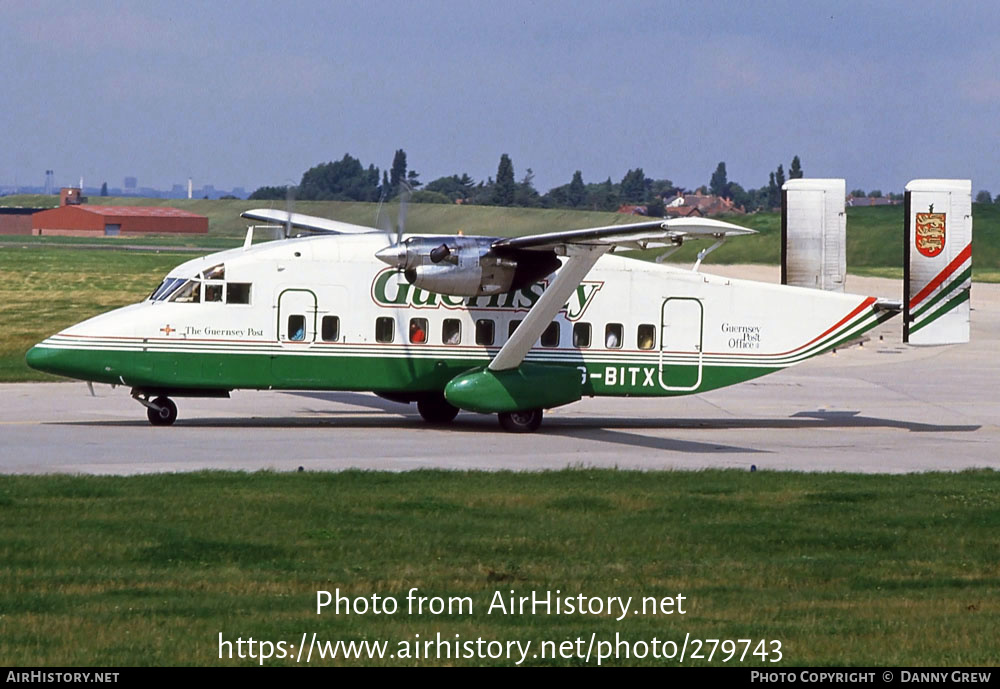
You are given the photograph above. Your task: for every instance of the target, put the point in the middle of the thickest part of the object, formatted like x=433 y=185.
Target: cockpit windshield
x=166 y=288
x=208 y=286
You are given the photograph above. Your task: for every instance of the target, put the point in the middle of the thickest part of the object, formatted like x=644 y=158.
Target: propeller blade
x=382 y=220
x=289 y=207
x=404 y=199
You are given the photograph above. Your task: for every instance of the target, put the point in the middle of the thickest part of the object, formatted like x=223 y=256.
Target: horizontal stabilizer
x=888 y=305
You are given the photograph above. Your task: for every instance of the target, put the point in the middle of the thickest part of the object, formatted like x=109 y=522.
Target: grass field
x=842 y=569
x=43 y=290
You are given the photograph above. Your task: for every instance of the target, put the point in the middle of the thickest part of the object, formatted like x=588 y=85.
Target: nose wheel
x=161 y=412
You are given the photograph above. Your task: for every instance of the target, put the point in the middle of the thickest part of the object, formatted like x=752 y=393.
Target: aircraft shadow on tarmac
x=820 y=418
x=593 y=428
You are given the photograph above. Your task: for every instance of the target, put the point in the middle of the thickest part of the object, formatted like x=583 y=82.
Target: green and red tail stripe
x=956 y=263
x=943 y=293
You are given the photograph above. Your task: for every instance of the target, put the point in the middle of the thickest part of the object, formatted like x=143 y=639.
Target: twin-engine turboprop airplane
x=485 y=324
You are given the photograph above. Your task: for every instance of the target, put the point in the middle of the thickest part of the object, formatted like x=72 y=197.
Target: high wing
x=305 y=222
x=634 y=235
x=583 y=248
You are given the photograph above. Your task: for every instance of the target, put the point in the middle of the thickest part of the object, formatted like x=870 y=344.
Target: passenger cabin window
x=550 y=337
x=646 y=336
x=238 y=293
x=296 y=328
x=330 y=328
x=485 y=331
x=512 y=327
x=581 y=334
x=418 y=330
x=384 y=329
x=613 y=335
x=451 y=331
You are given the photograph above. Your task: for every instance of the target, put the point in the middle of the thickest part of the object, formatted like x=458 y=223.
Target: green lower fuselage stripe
x=948 y=306
x=392 y=368
x=948 y=289
x=224 y=371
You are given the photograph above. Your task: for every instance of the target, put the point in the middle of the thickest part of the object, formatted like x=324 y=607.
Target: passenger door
x=682 y=323
x=296 y=314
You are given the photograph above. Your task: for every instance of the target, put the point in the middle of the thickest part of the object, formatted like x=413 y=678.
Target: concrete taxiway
x=880 y=407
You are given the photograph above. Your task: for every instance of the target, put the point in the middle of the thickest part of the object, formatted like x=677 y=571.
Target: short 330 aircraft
x=506 y=326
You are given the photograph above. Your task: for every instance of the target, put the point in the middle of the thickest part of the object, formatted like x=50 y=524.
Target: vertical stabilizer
x=937 y=261
x=814 y=233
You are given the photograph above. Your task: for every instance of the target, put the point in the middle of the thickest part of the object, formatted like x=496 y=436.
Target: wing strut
x=581 y=259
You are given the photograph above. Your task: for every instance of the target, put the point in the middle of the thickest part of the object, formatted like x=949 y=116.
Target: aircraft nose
x=60 y=362
x=42 y=359
x=70 y=363
x=394 y=255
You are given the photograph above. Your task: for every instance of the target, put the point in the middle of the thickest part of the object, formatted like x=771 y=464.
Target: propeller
x=289 y=206
x=395 y=253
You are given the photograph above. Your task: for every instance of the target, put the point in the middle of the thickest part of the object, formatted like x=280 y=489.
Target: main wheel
x=165 y=415
x=436 y=409
x=526 y=421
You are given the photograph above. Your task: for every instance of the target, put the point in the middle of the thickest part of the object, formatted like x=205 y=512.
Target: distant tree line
x=349 y=180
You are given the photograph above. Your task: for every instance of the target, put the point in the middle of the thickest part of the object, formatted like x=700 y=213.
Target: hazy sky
x=253 y=93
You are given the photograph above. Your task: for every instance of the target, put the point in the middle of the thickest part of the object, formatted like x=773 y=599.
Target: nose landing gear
x=161 y=412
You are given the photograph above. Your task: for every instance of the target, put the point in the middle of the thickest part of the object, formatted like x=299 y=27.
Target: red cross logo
x=168 y=330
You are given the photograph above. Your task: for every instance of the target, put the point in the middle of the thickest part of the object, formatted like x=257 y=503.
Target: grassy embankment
x=874 y=234
x=43 y=290
x=842 y=569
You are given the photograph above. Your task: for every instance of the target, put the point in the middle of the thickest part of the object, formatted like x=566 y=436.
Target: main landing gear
x=526 y=421
x=161 y=412
x=434 y=408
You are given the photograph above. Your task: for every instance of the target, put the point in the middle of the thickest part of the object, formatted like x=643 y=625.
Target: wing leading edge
x=634 y=235
x=305 y=222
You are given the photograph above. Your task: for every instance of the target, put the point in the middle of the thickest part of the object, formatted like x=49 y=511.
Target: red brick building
x=113 y=221
x=16 y=220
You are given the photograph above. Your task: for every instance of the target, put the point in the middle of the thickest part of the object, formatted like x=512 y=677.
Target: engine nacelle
x=467 y=266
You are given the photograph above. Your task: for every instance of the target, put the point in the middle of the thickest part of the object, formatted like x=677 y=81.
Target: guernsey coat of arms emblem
x=929 y=235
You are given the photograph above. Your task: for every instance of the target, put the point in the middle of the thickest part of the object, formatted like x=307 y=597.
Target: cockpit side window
x=213 y=291
x=238 y=293
x=189 y=293
x=216 y=272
